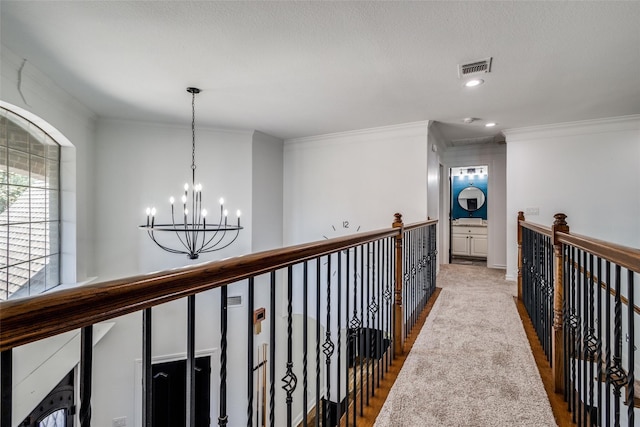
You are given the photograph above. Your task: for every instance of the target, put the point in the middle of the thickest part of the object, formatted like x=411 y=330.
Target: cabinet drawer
x=465 y=229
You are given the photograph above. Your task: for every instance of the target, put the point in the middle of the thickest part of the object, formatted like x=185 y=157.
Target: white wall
x=587 y=170
x=363 y=177
x=64 y=114
x=267 y=192
x=493 y=155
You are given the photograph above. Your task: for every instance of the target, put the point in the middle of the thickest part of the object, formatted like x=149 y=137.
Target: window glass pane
x=52 y=149
x=53 y=236
x=53 y=213
x=17 y=135
x=37 y=274
x=4 y=241
x=38 y=206
x=3 y=284
x=4 y=204
x=37 y=171
x=53 y=271
x=18 y=243
x=36 y=140
x=18 y=203
x=39 y=241
x=18 y=279
x=3 y=165
x=3 y=128
x=53 y=174
x=18 y=167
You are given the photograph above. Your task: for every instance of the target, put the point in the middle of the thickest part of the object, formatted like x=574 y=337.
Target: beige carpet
x=471 y=365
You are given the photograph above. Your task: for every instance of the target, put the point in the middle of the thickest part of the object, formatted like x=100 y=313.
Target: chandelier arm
x=208 y=248
x=217 y=248
x=174 y=251
x=173 y=221
x=214 y=236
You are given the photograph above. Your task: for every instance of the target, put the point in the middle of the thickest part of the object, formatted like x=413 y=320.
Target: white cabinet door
x=478 y=246
x=460 y=244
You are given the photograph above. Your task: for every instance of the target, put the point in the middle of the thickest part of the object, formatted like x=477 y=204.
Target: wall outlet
x=532 y=211
x=120 y=422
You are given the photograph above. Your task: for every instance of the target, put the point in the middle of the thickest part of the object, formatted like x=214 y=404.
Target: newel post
x=398 y=311
x=557 y=349
x=520 y=218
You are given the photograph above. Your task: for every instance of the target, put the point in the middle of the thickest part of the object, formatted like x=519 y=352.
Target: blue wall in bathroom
x=458 y=184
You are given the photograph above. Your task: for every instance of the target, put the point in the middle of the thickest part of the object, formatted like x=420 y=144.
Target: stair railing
x=579 y=294
x=355 y=298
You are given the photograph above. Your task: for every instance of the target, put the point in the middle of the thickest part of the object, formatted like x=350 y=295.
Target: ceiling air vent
x=476 y=67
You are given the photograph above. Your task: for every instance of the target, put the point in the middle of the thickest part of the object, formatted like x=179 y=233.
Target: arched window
x=29 y=208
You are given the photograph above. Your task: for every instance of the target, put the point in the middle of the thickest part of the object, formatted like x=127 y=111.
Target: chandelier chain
x=193 y=131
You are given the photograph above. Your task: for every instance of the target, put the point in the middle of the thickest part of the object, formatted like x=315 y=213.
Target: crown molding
x=584 y=127
x=362 y=135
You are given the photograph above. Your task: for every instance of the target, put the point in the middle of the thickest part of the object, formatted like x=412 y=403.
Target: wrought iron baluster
x=355 y=331
x=582 y=304
x=147 y=369
x=6 y=387
x=339 y=322
x=223 y=417
x=607 y=351
x=631 y=349
x=379 y=334
x=328 y=347
x=191 y=361
x=86 y=368
x=318 y=411
x=349 y=337
x=616 y=374
x=368 y=317
x=363 y=342
x=305 y=343
x=591 y=342
x=290 y=380
x=250 y=355
x=272 y=351
x=599 y=335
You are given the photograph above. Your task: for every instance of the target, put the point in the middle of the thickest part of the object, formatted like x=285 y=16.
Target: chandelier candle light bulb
x=194 y=235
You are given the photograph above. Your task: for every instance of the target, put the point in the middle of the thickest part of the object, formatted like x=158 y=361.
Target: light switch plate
x=532 y=211
x=120 y=422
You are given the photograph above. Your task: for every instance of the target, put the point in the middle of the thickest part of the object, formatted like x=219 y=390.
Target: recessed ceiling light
x=490 y=124
x=474 y=82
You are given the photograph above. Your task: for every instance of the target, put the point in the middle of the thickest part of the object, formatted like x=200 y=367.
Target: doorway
x=169 y=393
x=468 y=215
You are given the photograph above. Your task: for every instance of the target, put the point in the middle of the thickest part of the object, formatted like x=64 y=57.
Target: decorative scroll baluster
x=362 y=340
x=223 y=418
x=290 y=380
x=318 y=412
x=631 y=350
x=328 y=347
x=580 y=339
x=339 y=321
x=350 y=345
x=86 y=367
x=6 y=386
x=250 y=355
x=147 y=370
x=591 y=341
x=272 y=350
x=616 y=373
x=368 y=354
x=598 y=355
x=607 y=351
x=305 y=343
x=355 y=325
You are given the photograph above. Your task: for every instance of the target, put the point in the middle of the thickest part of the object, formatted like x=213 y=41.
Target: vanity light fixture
x=473 y=82
x=490 y=124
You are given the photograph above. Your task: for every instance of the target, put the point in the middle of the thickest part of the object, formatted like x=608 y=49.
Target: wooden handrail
x=34 y=318
x=624 y=256
x=419 y=224
x=537 y=228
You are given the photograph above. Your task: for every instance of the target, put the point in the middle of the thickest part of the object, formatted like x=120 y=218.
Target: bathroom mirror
x=471 y=198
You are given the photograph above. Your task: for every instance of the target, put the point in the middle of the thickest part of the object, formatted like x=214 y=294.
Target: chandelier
x=189 y=223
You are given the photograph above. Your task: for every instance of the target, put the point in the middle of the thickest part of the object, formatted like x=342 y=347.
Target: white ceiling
x=294 y=69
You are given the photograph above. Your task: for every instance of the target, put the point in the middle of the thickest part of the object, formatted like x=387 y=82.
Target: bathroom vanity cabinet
x=469 y=240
